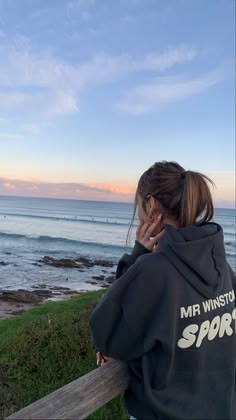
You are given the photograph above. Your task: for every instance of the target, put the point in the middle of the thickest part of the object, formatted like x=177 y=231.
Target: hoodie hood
x=198 y=254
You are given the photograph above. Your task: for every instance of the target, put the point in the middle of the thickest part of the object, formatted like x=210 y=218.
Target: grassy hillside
x=46 y=348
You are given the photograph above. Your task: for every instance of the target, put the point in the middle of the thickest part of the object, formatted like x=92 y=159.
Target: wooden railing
x=81 y=397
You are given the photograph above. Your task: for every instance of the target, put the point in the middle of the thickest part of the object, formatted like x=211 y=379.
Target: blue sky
x=92 y=92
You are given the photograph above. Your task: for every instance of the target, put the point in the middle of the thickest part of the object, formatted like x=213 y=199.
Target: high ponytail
x=184 y=196
x=196 y=205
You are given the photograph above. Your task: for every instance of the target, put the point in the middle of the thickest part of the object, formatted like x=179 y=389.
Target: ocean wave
x=233 y=234
x=58 y=239
x=67 y=219
x=229 y=254
x=230 y=243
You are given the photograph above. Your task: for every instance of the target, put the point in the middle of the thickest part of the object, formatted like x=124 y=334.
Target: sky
x=93 y=92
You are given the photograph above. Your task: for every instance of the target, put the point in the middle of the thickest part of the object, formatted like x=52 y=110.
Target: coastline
x=17 y=301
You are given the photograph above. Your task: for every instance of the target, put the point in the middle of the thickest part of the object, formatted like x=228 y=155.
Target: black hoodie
x=171 y=315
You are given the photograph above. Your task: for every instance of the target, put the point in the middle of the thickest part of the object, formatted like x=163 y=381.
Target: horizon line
x=81 y=199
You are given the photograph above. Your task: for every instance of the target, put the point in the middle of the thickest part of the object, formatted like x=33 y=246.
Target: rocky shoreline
x=15 y=302
x=75 y=263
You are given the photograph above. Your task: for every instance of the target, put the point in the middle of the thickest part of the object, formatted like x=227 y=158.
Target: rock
x=33 y=297
x=71 y=292
x=22 y=296
x=43 y=292
x=110 y=279
x=76 y=263
x=65 y=262
x=40 y=286
x=91 y=282
x=98 y=277
x=22 y=290
x=57 y=294
x=104 y=263
x=18 y=312
x=84 y=262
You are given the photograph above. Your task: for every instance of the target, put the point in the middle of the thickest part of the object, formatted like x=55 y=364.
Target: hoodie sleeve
x=128 y=259
x=120 y=321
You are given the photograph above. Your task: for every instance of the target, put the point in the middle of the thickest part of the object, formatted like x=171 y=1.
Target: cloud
x=9 y=186
x=91 y=191
x=170 y=57
x=10 y=136
x=74 y=5
x=14 y=99
x=45 y=104
x=45 y=84
x=80 y=3
x=150 y=96
x=31 y=128
x=61 y=103
x=39 y=13
x=129 y=19
x=86 y=16
x=223 y=194
x=113 y=188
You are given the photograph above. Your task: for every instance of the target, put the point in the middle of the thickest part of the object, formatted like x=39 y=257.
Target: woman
x=171 y=312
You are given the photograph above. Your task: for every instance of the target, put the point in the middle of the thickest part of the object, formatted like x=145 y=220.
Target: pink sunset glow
x=83 y=191
x=223 y=194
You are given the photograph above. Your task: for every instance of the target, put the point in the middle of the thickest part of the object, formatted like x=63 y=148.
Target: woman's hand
x=147 y=236
x=101 y=359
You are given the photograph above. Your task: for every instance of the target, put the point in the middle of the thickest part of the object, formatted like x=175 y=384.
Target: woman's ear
x=155 y=205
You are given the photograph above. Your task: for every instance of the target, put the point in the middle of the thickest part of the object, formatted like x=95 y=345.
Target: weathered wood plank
x=81 y=397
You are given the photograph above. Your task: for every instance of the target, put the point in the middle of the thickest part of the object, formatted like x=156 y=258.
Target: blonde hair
x=184 y=196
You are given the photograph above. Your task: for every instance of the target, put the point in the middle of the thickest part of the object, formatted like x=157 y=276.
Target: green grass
x=46 y=348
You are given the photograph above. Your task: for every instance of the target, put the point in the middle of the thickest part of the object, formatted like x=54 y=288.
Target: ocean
x=31 y=228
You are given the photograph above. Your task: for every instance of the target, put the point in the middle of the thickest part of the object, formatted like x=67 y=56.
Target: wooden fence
x=81 y=397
